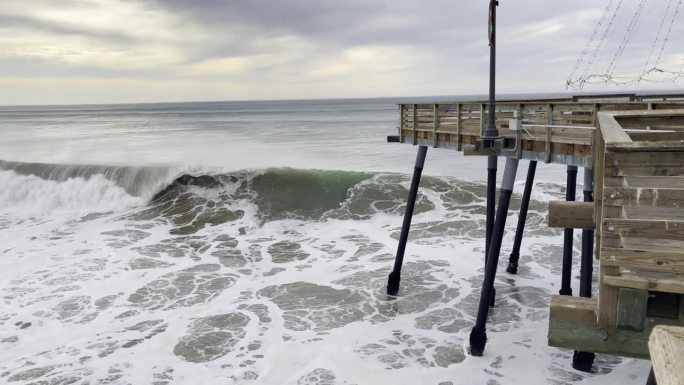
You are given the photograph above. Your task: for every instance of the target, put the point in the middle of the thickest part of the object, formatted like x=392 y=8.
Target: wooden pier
x=633 y=146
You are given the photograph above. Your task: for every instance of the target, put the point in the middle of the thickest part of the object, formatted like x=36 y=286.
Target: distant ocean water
x=249 y=242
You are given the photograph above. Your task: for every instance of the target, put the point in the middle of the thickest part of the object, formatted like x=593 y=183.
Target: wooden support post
x=435 y=124
x=631 y=309
x=459 y=138
x=549 y=133
x=402 y=121
x=482 y=119
x=415 y=124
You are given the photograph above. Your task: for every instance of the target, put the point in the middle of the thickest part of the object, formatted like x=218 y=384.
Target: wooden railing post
x=482 y=118
x=549 y=133
x=402 y=122
x=459 y=107
x=415 y=124
x=435 y=124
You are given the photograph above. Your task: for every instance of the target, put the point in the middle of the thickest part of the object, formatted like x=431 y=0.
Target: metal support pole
x=583 y=361
x=524 y=205
x=478 y=336
x=490 y=131
x=491 y=207
x=566 y=273
x=587 y=258
x=395 y=275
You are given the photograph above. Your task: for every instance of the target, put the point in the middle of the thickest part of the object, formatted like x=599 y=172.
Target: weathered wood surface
x=632 y=309
x=666 y=345
x=647 y=260
x=572 y=325
x=555 y=130
x=571 y=215
x=670 y=283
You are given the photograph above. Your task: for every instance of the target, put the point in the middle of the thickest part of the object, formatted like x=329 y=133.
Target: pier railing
x=552 y=132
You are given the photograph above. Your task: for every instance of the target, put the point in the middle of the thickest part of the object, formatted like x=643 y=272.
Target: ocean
x=250 y=243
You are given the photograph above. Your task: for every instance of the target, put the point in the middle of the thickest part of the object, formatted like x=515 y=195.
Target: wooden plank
x=572 y=325
x=658 y=182
x=666 y=231
x=676 y=146
x=611 y=130
x=643 y=259
x=632 y=309
x=672 y=283
x=666 y=346
x=656 y=136
x=571 y=215
x=623 y=196
x=647 y=113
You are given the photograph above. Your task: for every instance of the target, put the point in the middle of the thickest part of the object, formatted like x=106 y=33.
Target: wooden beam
x=643 y=259
x=611 y=130
x=666 y=345
x=572 y=325
x=643 y=281
x=571 y=215
x=632 y=309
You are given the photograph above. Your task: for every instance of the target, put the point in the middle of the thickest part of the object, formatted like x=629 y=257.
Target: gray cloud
x=264 y=49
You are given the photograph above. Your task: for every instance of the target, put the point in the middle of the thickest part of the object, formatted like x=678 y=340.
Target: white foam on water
x=28 y=194
x=120 y=298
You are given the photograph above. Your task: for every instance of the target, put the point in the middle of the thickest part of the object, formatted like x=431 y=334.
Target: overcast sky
x=108 y=51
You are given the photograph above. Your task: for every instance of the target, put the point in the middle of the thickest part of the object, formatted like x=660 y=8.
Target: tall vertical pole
x=491 y=133
x=566 y=272
x=491 y=207
x=395 y=275
x=524 y=205
x=583 y=361
x=478 y=335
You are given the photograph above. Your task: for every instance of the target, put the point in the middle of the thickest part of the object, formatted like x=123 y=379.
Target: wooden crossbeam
x=571 y=215
x=572 y=325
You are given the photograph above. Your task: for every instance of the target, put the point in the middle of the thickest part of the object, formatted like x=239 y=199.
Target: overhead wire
x=654 y=74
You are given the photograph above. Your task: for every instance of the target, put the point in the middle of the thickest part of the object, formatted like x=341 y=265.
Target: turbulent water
x=249 y=243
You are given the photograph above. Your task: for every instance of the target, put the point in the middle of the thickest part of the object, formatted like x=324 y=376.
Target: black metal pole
x=524 y=205
x=478 y=336
x=395 y=275
x=566 y=273
x=587 y=258
x=583 y=361
x=491 y=207
x=490 y=131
